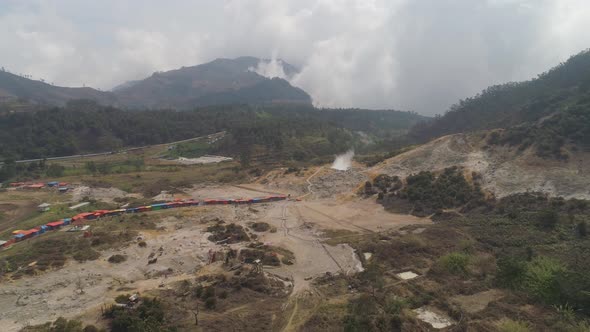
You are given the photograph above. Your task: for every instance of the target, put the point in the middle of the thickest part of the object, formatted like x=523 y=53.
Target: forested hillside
x=297 y=131
x=551 y=110
x=219 y=82
x=14 y=87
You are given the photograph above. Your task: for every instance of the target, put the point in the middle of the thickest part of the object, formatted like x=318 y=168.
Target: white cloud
x=405 y=54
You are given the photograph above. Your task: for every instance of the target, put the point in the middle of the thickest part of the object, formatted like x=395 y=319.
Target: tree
x=369 y=188
x=91 y=167
x=245 y=157
x=55 y=170
x=8 y=170
x=373 y=275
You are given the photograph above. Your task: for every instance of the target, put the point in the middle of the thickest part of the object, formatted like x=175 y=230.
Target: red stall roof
x=55 y=223
x=81 y=215
x=29 y=231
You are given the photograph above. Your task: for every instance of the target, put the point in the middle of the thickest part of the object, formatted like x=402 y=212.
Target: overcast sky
x=420 y=55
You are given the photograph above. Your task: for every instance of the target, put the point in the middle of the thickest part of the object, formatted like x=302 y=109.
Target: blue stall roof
x=18 y=236
x=159 y=204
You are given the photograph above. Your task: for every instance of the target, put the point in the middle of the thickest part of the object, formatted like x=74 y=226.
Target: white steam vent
x=343 y=161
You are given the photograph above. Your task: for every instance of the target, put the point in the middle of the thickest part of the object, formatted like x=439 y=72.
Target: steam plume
x=343 y=161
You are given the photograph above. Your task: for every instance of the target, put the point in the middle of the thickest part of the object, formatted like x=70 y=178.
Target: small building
x=52 y=184
x=100 y=213
x=35 y=186
x=63 y=189
x=83 y=216
x=29 y=233
x=55 y=224
x=44 y=207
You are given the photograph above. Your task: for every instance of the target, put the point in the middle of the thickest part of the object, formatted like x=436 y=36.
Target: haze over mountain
x=244 y=80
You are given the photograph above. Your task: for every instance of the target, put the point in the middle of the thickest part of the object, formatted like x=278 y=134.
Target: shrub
x=210 y=303
x=209 y=292
x=90 y=328
x=260 y=226
x=511 y=272
x=115 y=259
x=454 y=263
x=142 y=244
x=541 y=279
x=87 y=254
x=122 y=298
x=509 y=325
x=223 y=294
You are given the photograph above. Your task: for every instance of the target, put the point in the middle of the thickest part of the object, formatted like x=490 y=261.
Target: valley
x=213 y=198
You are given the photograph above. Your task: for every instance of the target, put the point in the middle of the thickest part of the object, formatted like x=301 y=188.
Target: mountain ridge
x=221 y=81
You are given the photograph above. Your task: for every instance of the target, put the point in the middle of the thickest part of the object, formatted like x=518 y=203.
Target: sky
x=419 y=55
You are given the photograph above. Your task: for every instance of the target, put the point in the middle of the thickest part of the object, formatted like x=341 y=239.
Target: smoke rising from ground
x=343 y=161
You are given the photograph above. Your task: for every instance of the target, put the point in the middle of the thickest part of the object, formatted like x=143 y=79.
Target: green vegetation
x=509 y=325
x=531 y=245
x=57 y=212
x=73 y=130
x=366 y=314
x=568 y=127
x=62 y=325
x=454 y=263
x=148 y=316
x=425 y=193
x=231 y=233
x=193 y=149
x=115 y=259
x=561 y=93
x=260 y=226
x=53 y=249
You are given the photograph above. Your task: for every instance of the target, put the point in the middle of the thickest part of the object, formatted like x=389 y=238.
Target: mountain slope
x=511 y=104
x=15 y=87
x=222 y=81
x=503 y=170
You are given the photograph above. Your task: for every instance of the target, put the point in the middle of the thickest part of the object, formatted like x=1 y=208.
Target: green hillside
x=88 y=127
x=549 y=112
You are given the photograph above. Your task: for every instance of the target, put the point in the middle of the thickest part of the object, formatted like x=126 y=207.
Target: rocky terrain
x=504 y=170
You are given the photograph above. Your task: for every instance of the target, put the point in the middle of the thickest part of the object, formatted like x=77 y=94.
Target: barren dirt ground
x=183 y=238
x=505 y=171
x=13 y=211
